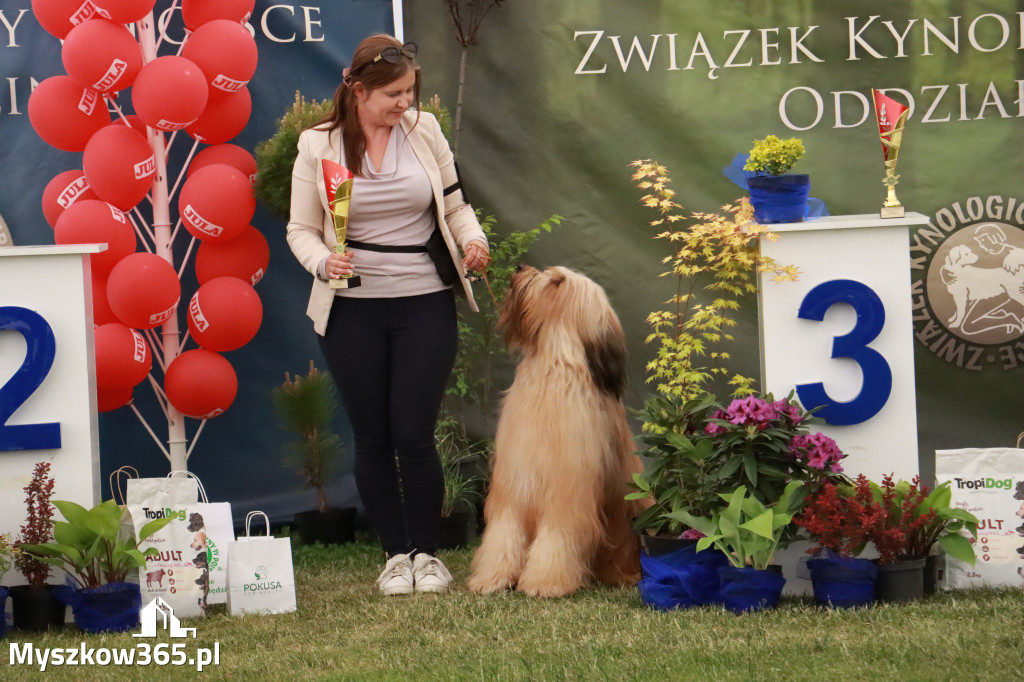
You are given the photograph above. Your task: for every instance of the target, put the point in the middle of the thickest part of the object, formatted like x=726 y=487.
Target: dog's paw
x=489 y=585
x=547 y=590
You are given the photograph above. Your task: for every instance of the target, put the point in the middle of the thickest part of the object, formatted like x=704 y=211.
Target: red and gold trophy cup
x=891 y=117
x=338 y=181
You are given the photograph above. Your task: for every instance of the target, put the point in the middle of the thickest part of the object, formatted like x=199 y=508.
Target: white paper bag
x=260 y=574
x=989 y=483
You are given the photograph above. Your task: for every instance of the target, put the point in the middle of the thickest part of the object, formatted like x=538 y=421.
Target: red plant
x=902 y=532
x=37 y=529
x=841 y=522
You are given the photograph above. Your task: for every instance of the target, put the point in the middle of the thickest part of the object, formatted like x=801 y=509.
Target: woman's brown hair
x=372 y=75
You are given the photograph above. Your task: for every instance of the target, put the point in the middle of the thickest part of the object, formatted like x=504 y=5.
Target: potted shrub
x=7 y=553
x=37 y=605
x=777 y=195
x=90 y=546
x=912 y=523
x=307 y=406
x=748 y=533
x=702 y=451
x=840 y=520
x=461 y=488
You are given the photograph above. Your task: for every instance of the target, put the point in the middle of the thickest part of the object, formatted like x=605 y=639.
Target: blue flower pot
x=749 y=589
x=779 y=198
x=843 y=582
x=113 y=607
x=3 y=611
x=681 y=579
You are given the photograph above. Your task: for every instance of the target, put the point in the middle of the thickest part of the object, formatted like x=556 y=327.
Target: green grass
x=345 y=630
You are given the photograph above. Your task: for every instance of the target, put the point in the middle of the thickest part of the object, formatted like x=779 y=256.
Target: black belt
x=387 y=248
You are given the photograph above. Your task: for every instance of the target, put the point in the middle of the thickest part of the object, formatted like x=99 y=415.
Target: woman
x=389 y=342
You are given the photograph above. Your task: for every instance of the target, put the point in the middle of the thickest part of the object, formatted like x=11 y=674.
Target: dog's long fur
x=555 y=513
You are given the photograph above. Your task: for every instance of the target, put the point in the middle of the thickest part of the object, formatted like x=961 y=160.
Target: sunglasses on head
x=391 y=55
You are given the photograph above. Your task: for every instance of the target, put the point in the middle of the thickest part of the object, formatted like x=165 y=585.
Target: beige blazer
x=311 y=227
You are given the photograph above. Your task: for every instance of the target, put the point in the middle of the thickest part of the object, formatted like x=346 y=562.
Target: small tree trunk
x=323 y=499
x=458 y=101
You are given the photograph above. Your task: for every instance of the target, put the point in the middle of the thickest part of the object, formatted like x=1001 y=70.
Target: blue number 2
x=877 y=383
x=42 y=348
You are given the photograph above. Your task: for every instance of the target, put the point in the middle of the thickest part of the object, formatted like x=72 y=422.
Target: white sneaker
x=429 y=574
x=397 y=576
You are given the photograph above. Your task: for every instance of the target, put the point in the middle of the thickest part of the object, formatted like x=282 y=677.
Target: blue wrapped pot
x=681 y=579
x=3 y=611
x=843 y=582
x=750 y=589
x=779 y=198
x=113 y=607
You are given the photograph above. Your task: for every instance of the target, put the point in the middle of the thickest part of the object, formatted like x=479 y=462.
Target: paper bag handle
x=189 y=474
x=253 y=514
x=117 y=485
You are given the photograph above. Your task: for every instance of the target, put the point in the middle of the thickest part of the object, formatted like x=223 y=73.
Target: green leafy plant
x=276 y=155
x=457 y=451
x=8 y=553
x=89 y=546
x=916 y=518
x=698 y=451
x=307 y=406
x=774 y=156
x=746 y=531
x=38 y=528
x=712 y=254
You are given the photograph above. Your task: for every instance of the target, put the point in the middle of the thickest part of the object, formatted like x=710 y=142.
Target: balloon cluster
x=203 y=92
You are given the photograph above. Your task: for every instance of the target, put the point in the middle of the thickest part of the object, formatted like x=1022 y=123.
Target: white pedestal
x=47 y=378
x=843 y=334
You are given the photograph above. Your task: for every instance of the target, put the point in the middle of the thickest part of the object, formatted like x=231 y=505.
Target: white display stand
x=46 y=316
x=866 y=260
x=846 y=261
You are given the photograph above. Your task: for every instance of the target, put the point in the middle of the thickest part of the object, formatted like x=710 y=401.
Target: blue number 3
x=42 y=348
x=877 y=382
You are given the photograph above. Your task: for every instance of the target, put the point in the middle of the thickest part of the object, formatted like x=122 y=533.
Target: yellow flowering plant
x=774 y=156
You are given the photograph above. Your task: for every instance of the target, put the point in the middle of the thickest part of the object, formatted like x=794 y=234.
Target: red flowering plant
x=841 y=519
x=916 y=518
x=38 y=527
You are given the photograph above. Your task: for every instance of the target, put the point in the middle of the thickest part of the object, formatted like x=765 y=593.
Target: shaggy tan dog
x=556 y=517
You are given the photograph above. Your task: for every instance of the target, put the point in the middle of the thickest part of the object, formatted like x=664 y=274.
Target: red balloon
x=231 y=154
x=91 y=221
x=200 y=383
x=122 y=357
x=143 y=290
x=65 y=114
x=109 y=399
x=102 y=55
x=58 y=17
x=226 y=53
x=245 y=257
x=63 y=190
x=198 y=12
x=224 y=314
x=170 y=93
x=119 y=165
x=101 y=312
x=124 y=11
x=223 y=119
x=216 y=203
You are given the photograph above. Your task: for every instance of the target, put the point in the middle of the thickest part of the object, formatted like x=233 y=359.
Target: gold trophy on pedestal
x=891 y=117
x=340 y=180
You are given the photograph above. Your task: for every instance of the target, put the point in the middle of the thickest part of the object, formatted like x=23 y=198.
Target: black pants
x=391 y=359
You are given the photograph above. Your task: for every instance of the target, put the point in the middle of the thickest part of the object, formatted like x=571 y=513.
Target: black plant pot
x=38 y=610
x=899 y=582
x=934 y=568
x=656 y=545
x=456 y=531
x=332 y=527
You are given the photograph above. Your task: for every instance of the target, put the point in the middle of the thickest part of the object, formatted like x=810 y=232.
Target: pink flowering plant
x=701 y=451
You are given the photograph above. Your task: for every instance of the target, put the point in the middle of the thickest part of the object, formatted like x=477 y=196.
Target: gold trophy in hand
x=891 y=117
x=339 y=180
